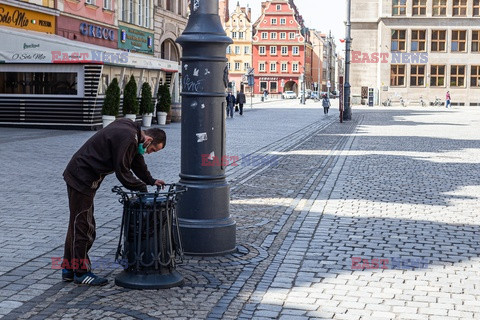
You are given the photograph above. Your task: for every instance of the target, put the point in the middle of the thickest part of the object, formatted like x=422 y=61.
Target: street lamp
x=347 y=113
x=203 y=211
x=304 y=30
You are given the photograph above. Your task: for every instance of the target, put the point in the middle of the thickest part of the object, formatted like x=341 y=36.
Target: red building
x=281 y=49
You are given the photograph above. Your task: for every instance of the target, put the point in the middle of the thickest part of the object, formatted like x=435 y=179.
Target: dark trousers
x=325 y=110
x=81 y=231
x=241 y=108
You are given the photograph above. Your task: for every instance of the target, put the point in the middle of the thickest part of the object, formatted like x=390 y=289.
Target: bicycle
x=387 y=103
x=402 y=102
x=437 y=102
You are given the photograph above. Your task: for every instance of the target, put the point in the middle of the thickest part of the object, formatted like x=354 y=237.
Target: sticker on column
x=201 y=137
x=194 y=104
x=185 y=67
x=206 y=72
x=196 y=5
x=195 y=72
x=202 y=106
x=211 y=156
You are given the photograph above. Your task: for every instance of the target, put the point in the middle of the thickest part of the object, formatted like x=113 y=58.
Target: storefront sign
x=135 y=40
x=94 y=31
x=25 y=19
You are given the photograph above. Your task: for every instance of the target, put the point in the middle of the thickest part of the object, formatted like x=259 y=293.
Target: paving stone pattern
x=394 y=183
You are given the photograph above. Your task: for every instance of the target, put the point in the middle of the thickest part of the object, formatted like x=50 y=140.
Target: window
x=107 y=4
x=439 y=7
x=273 y=35
x=140 y=12
x=399 y=7
x=459 y=8
x=169 y=5
x=274 y=20
x=263 y=86
x=104 y=81
x=437 y=76
x=229 y=66
x=273 y=50
x=261 y=67
x=457 y=76
x=284 y=50
x=417 y=75
x=398 y=40
x=295 y=67
x=273 y=86
x=291 y=35
x=459 y=40
x=397 y=75
x=476 y=41
x=284 y=67
x=419 y=7
x=264 y=35
x=229 y=50
x=261 y=50
x=237 y=49
x=147 y=14
x=179 y=7
x=237 y=66
x=127 y=12
x=234 y=34
x=246 y=50
x=273 y=67
x=283 y=35
x=246 y=66
x=295 y=51
x=241 y=35
x=283 y=21
x=439 y=40
x=60 y=83
x=476 y=8
x=279 y=7
x=475 y=77
x=90 y=2
x=419 y=40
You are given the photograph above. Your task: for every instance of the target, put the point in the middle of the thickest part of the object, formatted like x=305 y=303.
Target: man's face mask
x=142 y=148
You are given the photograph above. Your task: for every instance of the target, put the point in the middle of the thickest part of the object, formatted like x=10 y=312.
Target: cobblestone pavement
x=375 y=218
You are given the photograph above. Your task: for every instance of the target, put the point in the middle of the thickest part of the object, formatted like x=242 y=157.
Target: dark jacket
x=230 y=100
x=241 y=98
x=112 y=149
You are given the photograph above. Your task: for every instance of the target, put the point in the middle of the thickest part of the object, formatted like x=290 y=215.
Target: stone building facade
x=239 y=54
x=416 y=50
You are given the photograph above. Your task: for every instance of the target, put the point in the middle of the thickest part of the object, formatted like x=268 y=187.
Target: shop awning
x=21 y=46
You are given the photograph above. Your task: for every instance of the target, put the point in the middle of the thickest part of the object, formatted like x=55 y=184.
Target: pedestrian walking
x=117 y=148
x=241 y=100
x=230 y=103
x=325 y=104
x=448 y=98
x=265 y=94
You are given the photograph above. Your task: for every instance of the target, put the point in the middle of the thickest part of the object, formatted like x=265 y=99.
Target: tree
x=130 y=101
x=146 y=105
x=111 y=104
x=164 y=98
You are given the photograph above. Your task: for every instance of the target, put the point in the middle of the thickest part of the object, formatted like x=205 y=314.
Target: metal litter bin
x=149 y=247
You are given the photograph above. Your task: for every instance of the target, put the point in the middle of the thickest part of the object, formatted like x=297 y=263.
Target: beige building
x=416 y=50
x=239 y=54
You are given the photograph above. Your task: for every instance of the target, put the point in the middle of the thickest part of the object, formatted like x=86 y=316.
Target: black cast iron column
x=347 y=113
x=203 y=211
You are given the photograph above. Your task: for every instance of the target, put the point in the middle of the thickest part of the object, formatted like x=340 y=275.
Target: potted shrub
x=130 y=101
x=146 y=105
x=111 y=104
x=163 y=103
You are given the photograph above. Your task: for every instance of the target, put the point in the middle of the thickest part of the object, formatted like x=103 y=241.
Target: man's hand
x=160 y=183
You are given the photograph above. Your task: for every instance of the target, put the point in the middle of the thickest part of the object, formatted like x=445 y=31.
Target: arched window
x=169 y=51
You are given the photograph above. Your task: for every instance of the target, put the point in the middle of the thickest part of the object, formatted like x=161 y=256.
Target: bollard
x=150 y=246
